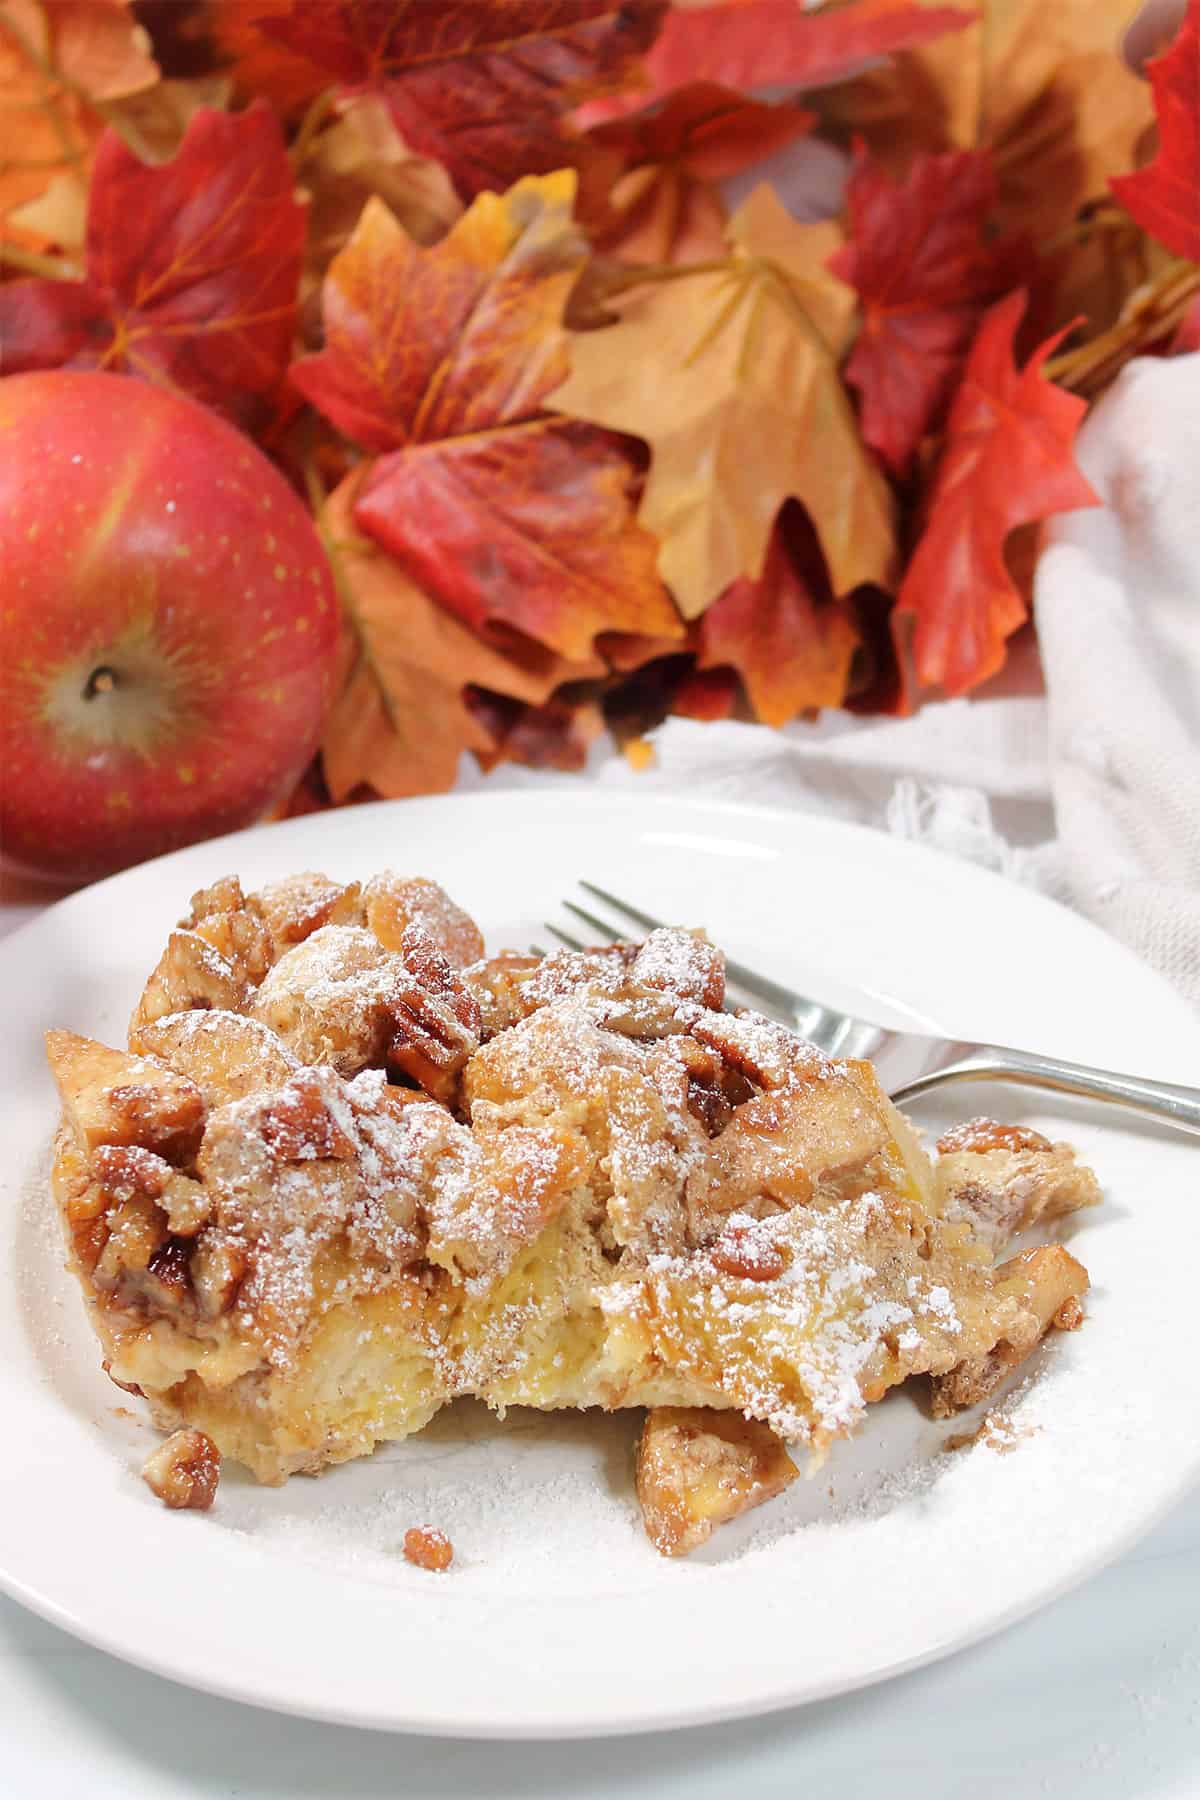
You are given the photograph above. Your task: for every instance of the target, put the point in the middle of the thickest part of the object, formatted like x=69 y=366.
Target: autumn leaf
x=443 y=359
x=780 y=43
x=192 y=269
x=664 y=205
x=791 y=644
x=1041 y=85
x=402 y=718
x=1008 y=460
x=358 y=155
x=924 y=273
x=60 y=60
x=1165 y=197
x=737 y=393
x=557 y=735
x=481 y=86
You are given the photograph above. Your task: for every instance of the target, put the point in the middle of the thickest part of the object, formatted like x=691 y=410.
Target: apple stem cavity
x=101 y=681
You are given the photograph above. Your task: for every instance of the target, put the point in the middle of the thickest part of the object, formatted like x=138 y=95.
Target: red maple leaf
x=479 y=85
x=442 y=358
x=1008 y=461
x=780 y=43
x=924 y=273
x=790 y=642
x=192 y=269
x=1165 y=197
x=709 y=129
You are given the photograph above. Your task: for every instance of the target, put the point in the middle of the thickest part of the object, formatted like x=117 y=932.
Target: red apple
x=168 y=625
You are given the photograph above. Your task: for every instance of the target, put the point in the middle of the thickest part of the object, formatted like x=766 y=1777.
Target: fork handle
x=1179 y=1106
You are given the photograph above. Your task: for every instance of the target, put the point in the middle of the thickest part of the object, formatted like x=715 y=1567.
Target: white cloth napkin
x=1089 y=790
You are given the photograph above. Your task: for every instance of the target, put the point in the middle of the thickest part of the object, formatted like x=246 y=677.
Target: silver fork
x=909 y=1063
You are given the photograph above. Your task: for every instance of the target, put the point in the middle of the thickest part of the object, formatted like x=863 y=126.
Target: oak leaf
x=924 y=273
x=1008 y=460
x=59 y=61
x=443 y=359
x=739 y=398
x=481 y=86
x=1165 y=197
x=791 y=644
x=192 y=269
x=664 y=205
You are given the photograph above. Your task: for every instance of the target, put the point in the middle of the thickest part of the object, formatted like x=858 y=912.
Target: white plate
x=558 y=1617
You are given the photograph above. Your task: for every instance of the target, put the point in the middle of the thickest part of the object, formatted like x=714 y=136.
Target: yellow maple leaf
x=738 y=396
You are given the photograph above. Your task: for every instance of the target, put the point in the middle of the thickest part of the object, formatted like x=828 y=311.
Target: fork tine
x=611 y=932
x=631 y=912
x=564 y=937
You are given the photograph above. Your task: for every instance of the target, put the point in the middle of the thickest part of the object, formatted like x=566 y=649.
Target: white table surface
x=1096 y=1698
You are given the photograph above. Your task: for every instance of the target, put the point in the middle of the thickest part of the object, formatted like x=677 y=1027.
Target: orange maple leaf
x=59 y=61
x=404 y=716
x=1008 y=460
x=790 y=642
x=738 y=395
x=443 y=359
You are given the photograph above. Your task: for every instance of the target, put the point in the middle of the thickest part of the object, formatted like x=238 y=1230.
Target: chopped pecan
x=184 y=1471
x=217 y=1268
x=223 y=895
x=123 y=1170
x=169 y=1267
x=437 y=975
x=435 y=1029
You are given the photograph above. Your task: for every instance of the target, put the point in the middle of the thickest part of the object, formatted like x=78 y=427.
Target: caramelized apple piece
x=394 y=902
x=111 y=1097
x=329 y=998
x=1049 y=1282
x=299 y=905
x=698 y=1468
x=189 y=973
x=228 y=1055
